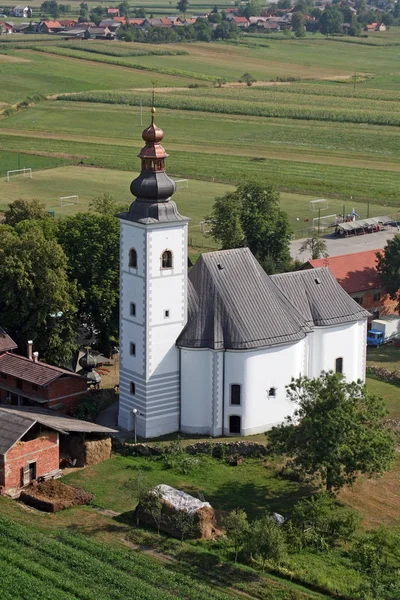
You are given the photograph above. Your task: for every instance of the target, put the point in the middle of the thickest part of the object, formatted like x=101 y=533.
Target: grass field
x=194 y=201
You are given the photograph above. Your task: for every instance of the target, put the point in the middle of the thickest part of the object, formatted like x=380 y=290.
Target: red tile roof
x=6 y=343
x=240 y=20
x=52 y=24
x=38 y=373
x=355 y=272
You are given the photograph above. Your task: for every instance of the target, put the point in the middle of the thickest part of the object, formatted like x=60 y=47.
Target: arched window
x=339 y=365
x=166 y=259
x=133 y=258
x=235 y=424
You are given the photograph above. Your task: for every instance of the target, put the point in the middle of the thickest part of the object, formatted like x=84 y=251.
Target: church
x=210 y=349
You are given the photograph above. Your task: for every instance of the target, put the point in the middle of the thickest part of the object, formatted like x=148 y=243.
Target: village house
x=35 y=443
x=30 y=382
x=357 y=275
x=24 y=12
x=49 y=27
x=210 y=350
x=375 y=27
x=6 y=28
x=113 y=12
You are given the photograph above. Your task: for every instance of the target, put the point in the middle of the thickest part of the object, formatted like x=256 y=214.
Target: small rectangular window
x=19 y=384
x=133 y=309
x=132 y=388
x=133 y=349
x=339 y=365
x=34 y=386
x=3 y=376
x=358 y=299
x=377 y=296
x=235 y=394
x=166 y=314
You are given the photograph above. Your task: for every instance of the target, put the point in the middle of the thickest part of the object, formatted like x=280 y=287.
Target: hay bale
x=97 y=450
x=174 y=502
x=53 y=496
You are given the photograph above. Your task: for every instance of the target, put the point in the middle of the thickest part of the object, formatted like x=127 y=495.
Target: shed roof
x=6 y=343
x=15 y=421
x=356 y=272
x=39 y=373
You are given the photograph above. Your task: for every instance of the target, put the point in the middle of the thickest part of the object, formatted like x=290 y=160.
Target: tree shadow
x=275 y=495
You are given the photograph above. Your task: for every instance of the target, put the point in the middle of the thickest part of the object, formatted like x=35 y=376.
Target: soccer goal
x=26 y=172
x=68 y=200
x=324 y=223
x=182 y=183
x=316 y=205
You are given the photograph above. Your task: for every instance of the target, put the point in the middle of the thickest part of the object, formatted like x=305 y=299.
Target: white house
x=22 y=11
x=211 y=350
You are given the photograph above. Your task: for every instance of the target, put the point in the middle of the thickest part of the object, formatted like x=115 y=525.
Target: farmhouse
x=357 y=275
x=22 y=11
x=211 y=351
x=50 y=27
x=30 y=382
x=33 y=442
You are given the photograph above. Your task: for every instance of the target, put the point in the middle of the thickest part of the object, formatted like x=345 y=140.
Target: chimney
x=30 y=347
x=35 y=357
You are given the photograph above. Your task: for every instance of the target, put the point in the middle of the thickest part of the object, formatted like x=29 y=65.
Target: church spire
x=153 y=188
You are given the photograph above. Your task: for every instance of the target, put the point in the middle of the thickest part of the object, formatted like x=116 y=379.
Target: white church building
x=210 y=350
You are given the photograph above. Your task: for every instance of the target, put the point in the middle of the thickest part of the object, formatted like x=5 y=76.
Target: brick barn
x=30 y=382
x=33 y=444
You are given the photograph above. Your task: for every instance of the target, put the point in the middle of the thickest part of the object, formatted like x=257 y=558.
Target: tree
x=337 y=430
x=152 y=505
x=331 y=21
x=182 y=6
x=184 y=522
x=247 y=78
x=250 y=216
x=298 y=24
x=22 y=210
x=389 y=268
x=124 y=8
x=37 y=301
x=237 y=528
x=91 y=243
x=266 y=541
x=316 y=245
x=284 y=4
x=106 y=205
x=83 y=12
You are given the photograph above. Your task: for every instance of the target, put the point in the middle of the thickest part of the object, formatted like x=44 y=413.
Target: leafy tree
x=106 y=205
x=184 y=522
x=251 y=217
x=247 y=78
x=284 y=4
x=153 y=506
x=91 y=243
x=396 y=10
x=37 y=301
x=316 y=245
x=51 y=7
x=331 y=21
x=322 y=520
x=124 y=8
x=182 y=6
x=266 y=541
x=21 y=210
x=83 y=12
x=355 y=28
x=237 y=528
x=298 y=24
x=389 y=268
x=337 y=430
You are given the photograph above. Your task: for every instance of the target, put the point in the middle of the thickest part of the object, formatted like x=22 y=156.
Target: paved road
x=346 y=245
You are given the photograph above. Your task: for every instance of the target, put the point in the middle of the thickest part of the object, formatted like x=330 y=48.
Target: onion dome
x=87 y=361
x=153 y=188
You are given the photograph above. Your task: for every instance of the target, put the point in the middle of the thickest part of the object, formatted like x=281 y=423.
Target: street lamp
x=135 y=411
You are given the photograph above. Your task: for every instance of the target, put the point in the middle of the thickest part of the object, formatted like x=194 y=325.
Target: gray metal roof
x=233 y=304
x=318 y=297
x=15 y=421
x=362 y=223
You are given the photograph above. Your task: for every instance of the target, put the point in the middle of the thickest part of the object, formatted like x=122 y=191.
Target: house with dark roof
x=34 y=442
x=211 y=350
x=356 y=273
x=30 y=382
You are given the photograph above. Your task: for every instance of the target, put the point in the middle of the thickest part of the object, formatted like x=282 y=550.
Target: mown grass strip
x=61 y=51
x=120 y=50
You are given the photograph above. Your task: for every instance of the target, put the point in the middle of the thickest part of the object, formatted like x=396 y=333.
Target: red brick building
x=30 y=442
x=29 y=382
x=357 y=274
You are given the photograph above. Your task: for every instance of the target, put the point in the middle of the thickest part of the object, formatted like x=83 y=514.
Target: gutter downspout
x=223 y=393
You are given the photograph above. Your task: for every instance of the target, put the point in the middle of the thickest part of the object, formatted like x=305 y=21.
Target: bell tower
x=153 y=300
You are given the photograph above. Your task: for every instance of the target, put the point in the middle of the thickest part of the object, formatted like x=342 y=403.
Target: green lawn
x=386 y=356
